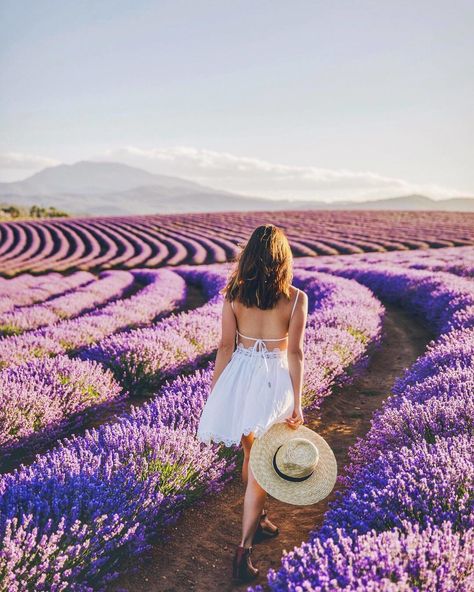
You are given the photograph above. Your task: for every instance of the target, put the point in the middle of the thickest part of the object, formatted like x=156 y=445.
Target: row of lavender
x=406 y=519
x=44 y=388
x=69 y=519
x=163 y=289
x=152 y=241
x=109 y=285
x=26 y=289
x=455 y=260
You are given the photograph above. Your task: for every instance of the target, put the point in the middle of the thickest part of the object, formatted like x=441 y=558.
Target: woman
x=257 y=385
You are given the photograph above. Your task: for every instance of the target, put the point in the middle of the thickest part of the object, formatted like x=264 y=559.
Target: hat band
x=287 y=477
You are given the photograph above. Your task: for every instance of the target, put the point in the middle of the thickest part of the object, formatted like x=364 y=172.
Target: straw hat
x=295 y=466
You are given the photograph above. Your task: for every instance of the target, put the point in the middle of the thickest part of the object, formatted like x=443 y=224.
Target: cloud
x=18 y=160
x=252 y=176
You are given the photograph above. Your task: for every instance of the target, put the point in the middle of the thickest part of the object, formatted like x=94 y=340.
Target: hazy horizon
x=270 y=198
x=310 y=101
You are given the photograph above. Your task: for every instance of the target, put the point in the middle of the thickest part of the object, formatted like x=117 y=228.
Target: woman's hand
x=296 y=418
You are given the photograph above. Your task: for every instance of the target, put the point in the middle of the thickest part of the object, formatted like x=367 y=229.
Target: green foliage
x=51 y=212
x=359 y=335
x=87 y=390
x=173 y=476
x=10 y=329
x=11 y=212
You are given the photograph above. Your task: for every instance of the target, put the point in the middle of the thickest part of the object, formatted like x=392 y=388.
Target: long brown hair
x=263 y=270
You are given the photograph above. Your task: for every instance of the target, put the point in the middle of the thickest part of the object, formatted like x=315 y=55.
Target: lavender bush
x=26 y=289
x=38 y=398
x=142 y=357
x=69 y=519
x=455 y=260
x=400 y=560
x=165 y=290
x=109 y=285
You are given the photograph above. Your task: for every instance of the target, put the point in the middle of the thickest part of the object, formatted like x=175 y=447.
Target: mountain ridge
x=111 y=188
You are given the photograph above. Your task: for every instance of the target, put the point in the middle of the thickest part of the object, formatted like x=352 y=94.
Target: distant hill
x=110 y=188
x=412 y=202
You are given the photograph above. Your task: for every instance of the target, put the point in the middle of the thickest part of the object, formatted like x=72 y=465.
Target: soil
x=198 y=550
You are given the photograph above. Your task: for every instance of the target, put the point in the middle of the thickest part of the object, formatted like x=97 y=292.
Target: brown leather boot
x=264 y=532
x=242 y=568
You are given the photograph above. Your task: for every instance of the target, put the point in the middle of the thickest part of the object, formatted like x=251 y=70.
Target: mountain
x=110 y=188
x=411 y=202
x=87 y=177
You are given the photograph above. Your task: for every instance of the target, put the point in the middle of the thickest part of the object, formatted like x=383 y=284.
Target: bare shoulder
x=302 y=298
x=302 y=294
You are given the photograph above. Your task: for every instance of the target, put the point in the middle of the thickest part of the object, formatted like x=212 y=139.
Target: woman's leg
x=254 y=501
x=255 y=496
x=246 y=442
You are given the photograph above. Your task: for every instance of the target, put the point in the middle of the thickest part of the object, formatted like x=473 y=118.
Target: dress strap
x=261 y=338
x=294 y=303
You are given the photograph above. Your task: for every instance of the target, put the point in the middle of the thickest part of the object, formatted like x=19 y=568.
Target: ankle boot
x=263 y=533
x=242 y=568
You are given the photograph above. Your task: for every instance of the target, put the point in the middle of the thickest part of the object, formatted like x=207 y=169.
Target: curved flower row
x=27 y=289
x=163 y=292
x=42 y=396
x=176 y=239
x=455 y=260
x=141 y=358
x=68 y=520
x=38 y=398
x=399 y=560
x=406 y=518
x=109 y=285
x=451 y=298
x=435 y=396
x=345 y=325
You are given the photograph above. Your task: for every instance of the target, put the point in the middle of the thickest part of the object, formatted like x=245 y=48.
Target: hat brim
x=301 y=493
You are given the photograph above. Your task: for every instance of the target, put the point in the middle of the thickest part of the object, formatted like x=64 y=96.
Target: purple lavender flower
x=434 y=558
x=37 y=398
x=166 y=290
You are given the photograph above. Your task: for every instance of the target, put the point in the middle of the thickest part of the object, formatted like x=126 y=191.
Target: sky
x=288 y=99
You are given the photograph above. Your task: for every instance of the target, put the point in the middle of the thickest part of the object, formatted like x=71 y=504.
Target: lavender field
x=108 y=334
x=176 y=239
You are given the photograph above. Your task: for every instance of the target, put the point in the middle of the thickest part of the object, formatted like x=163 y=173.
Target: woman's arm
x=226 y=344
x=295 y=348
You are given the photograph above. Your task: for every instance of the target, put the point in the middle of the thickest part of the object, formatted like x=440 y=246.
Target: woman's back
x=270 y=326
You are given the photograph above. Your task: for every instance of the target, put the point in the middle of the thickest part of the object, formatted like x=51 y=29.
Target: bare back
x=270 y=326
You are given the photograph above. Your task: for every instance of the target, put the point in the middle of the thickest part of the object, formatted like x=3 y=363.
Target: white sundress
x=253 y=392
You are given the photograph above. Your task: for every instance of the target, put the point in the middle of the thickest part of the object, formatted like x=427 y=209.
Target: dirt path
x=198 y=553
